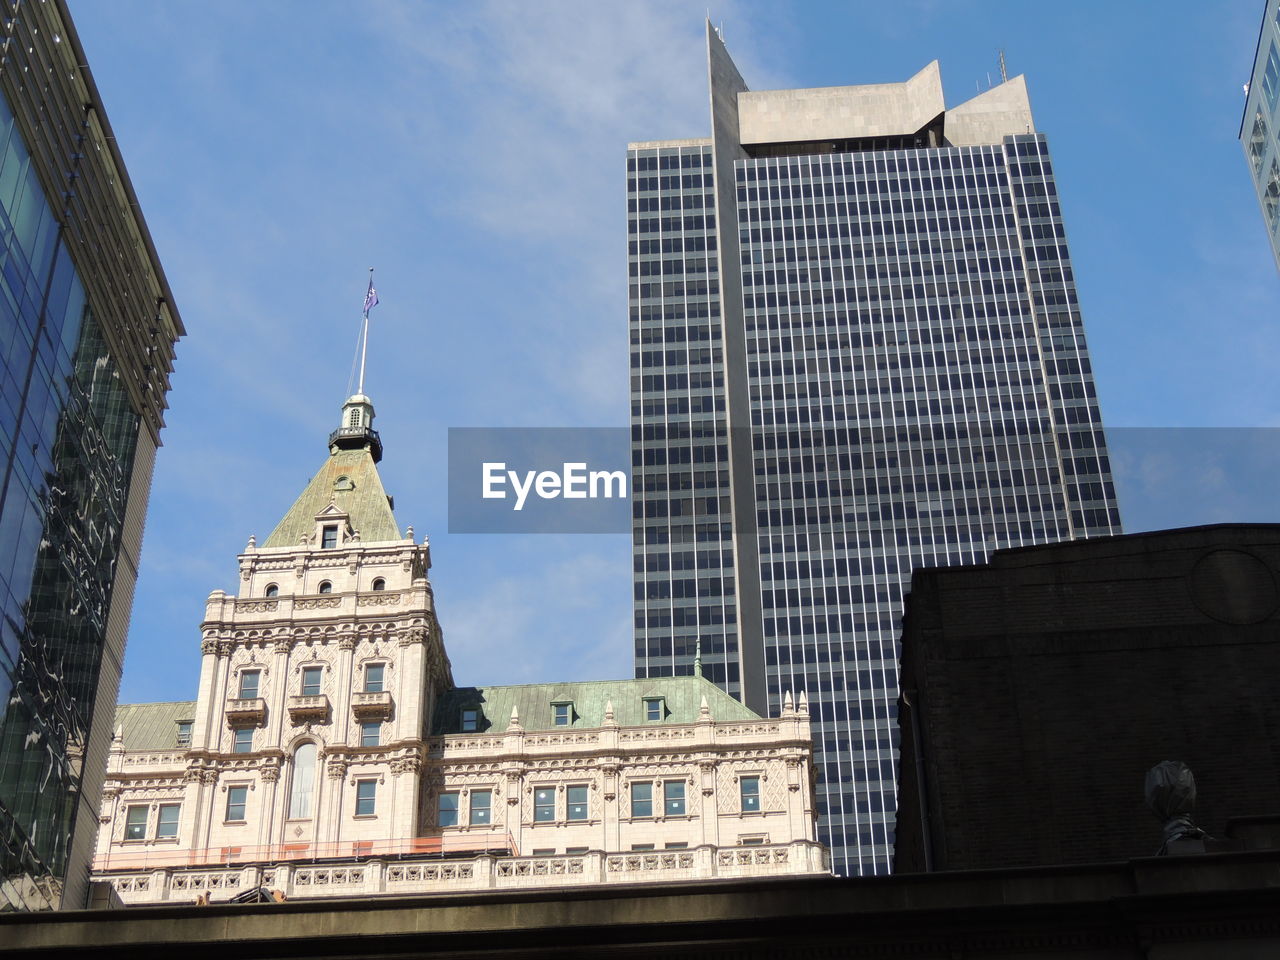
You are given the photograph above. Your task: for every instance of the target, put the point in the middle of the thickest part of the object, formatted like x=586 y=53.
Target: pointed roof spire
x=788 y=705
x=515 y=725
x=697 y=658
x=803 y=708
x=704 y=711
x=355 y=430
x=609 y=720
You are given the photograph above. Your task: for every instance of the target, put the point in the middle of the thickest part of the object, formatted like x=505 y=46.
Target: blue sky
x=474 y=153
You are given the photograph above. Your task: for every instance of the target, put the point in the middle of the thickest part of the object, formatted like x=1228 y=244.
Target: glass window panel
x=673 y=797
x=577 y=802
x=470 y=721
x=302 y=792
x=481 y=802
x=249 y=684
x=135 y=823
x=373 y=676
x=237 y=797
x=642 y=799
x=243 y=741
x=366 y=797
x=447 y=810
x=370 y=733
x=544 y=804
x=749 y=790
x=311 y=677
x=167 y=824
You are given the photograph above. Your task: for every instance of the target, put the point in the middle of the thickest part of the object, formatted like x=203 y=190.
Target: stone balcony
x=371 y=706
x=409 y=875
x=309 y=709
x=245 y=712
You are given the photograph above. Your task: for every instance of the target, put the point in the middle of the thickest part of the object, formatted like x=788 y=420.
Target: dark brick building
x=1038 y=689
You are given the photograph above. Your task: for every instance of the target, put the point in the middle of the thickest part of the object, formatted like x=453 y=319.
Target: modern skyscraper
x=1260 y=126
x=87 y=328
x=856 y=350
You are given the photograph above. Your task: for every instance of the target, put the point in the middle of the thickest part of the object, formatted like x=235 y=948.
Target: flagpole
x=364 y=337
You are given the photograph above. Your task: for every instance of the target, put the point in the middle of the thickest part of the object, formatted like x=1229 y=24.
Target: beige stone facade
x=329 y=752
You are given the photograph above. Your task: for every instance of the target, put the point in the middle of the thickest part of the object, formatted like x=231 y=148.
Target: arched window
x=379 y=584
x=272 y=590
x=354 y=419
x=326 y=587
x=302 y=793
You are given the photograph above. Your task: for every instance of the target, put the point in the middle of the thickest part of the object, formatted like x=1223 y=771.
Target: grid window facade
x=682 y=533
x=919 y=393
x=1260 y=124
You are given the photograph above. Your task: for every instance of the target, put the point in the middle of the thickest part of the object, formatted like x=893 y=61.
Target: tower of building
x=856 y=350
x=88 y=326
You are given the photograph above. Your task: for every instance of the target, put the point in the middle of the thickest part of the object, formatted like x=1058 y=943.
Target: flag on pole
x=370 y=298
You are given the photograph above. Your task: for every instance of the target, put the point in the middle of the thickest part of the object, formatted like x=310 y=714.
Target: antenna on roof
x=1004 y=73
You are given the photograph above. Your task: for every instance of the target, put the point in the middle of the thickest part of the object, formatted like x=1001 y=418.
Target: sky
x=475 y=155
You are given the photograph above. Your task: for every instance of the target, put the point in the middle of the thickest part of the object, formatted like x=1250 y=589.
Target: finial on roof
x=803 y=707
x=118 y=735
x=515 y=724
x=788 y=705
x=355 y=430
x=252 y=544
x=609 y=720
x=704 y=712
x=697 y=658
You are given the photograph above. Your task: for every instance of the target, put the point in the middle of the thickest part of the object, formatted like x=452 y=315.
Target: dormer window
x=326 y=586
x=184 y=732
x=329 y=536
x=470 y=720
x=654 y=709
x=562 y=713
x=272 y=591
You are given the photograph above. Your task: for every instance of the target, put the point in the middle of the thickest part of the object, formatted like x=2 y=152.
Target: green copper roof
x=153 y=726
x=350 y=479
x=682 y=698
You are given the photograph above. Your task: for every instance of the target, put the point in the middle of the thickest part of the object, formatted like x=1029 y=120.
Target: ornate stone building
x=329 y=753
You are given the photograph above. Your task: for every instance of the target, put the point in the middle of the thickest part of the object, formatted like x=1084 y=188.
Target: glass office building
x=86 y=336
x=1260 y=126
x=856 y=350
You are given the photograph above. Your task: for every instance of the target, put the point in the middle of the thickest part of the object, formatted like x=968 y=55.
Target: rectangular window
x=370 y=733
x=447 y=810
x=751 y=841
x=249 y=684
x=184 y=733
x=167 y=825
x=575 y=851
x=673 y=798
x=653 y=709
x=329 y=536
x=311 y=681
x=544 y=804
x=470 y=721
x=545 y=852
x=749 y=790
x=578 y=803
x=642 y=799
x=675 y=846
x=563 y=714
x=366 y=797
x=135 y=823
x=481 y=807
x=642 y=846
x=243 y=741
x=373 y=674
x=237 y=797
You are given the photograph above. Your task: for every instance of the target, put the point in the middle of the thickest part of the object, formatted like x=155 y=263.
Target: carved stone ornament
x=283 y=645
x=347 y=641
x=336 y=769
x=270 y=774
x=209 y=645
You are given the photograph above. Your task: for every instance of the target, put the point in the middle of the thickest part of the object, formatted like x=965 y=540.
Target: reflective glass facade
x=67 y=439
x=1260 y=127
x=86 y=346
x=916 y=392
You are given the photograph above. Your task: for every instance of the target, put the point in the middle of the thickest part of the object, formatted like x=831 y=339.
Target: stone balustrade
x=415 y=876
